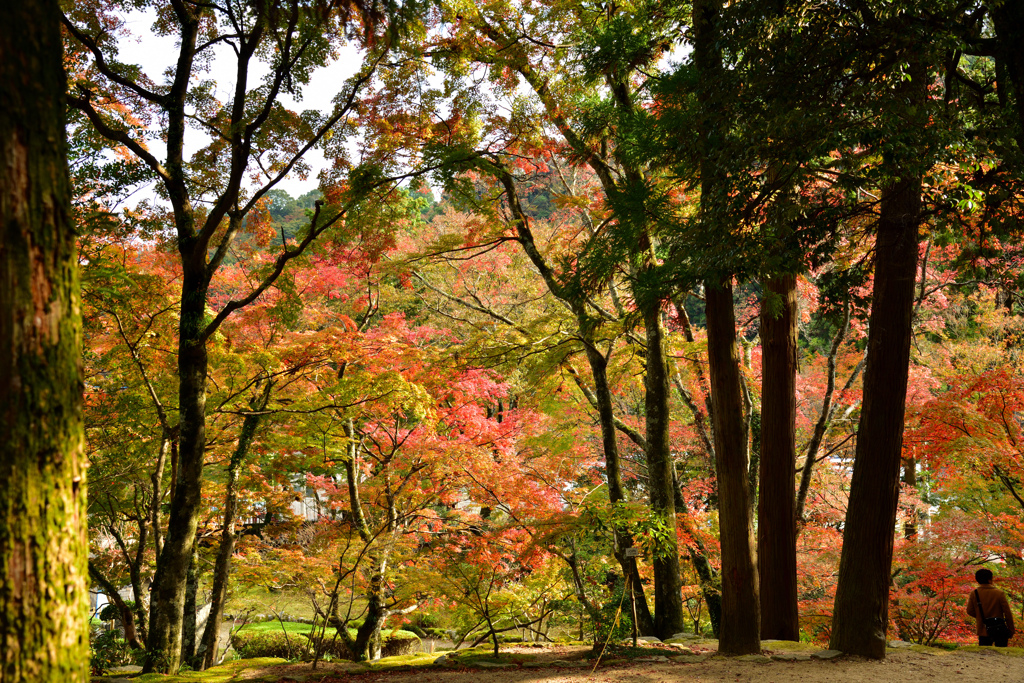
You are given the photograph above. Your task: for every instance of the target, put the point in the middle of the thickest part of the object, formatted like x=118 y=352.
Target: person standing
x=987 y=602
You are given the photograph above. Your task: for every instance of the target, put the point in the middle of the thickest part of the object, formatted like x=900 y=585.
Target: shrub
x=258 y=643
x=110 y=612
x=108 y=650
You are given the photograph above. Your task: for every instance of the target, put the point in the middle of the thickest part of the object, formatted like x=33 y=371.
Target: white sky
x=156 y=53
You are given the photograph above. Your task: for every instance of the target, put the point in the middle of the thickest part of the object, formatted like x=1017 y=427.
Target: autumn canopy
x=463 y=322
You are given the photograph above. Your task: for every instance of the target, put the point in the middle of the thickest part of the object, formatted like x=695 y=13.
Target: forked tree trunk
x=776 y=516
x=127 y=616
x=740 y=631
x=861 y=615
x=44 y=589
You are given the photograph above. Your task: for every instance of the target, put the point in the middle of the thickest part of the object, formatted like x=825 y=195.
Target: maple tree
x=646 y=293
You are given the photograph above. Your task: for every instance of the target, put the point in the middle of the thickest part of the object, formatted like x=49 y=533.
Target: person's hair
x=983 y=576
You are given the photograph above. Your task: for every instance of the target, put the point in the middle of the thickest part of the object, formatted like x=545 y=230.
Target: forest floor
x=780 y=662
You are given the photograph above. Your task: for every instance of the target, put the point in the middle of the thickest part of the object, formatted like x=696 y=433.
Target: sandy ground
x=899 y=665
x=903 y=666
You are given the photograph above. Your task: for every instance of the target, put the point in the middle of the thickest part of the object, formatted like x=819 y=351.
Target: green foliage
x=290 y=640
x=107 y=651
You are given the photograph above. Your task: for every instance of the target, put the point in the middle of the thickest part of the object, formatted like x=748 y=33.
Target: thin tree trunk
x=44 y=589
x=616 y=491
x=860 y=617
x=605 y=408
x=127 y=616
x=776 y=517
x=211 y=634
x=741 y=621
x=699 y=556
x=910 y=479
x=825 y=416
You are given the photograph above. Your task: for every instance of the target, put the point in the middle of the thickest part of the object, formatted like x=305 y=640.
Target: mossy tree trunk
x=43 y=545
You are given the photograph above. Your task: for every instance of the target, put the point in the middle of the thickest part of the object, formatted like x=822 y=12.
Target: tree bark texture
x=188 y=617
x=44 y=587
x=668 y=595
x=776 y=516
x=860 y=617
x=741 y=620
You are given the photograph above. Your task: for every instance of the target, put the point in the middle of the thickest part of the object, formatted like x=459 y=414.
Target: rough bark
x=43 y=545
x=188 y=619
x=668 y=597
x=860 y=617
x=776 y=517
x=741 y=621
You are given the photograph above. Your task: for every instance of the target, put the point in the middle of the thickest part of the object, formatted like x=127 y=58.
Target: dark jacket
x=993 y=602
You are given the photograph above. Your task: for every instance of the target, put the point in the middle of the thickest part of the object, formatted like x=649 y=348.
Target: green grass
x=218 y=674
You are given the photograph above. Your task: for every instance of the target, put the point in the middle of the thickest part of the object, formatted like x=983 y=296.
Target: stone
x=442 y=660
x=652 y=658
x=752 y=658
x=900 y=644
x=127 y=669
x=791 y=657
x=826 y=654
x=649 y=639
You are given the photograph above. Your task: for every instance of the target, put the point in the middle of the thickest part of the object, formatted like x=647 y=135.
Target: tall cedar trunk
x=168 y=594
x=776 y=515
x=44 y=589
x=188 y=617
x=740 y=631
x=219 y=593
x=860 y=617
x=668 y=596
x=741 y=620
x=616 y=491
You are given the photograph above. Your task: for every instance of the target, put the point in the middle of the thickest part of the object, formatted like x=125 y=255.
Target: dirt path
x=566 y=665
x=899 y=667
